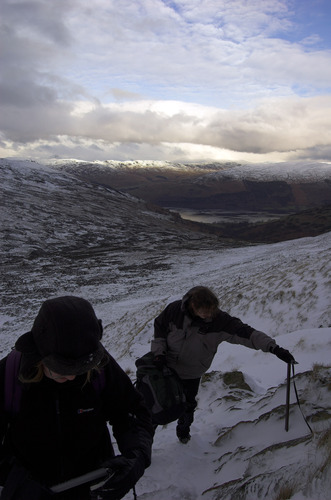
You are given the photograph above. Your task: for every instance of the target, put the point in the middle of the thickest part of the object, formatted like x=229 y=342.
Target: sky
x=242 y=80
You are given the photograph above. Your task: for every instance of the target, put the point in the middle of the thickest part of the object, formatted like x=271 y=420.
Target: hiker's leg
x=155 y=426
x=191 y=388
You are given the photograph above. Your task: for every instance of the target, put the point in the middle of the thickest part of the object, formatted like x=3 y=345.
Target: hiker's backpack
x=14 y=388
x=161 y=389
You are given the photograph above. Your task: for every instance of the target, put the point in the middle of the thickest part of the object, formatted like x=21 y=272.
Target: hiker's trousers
x=191 y=387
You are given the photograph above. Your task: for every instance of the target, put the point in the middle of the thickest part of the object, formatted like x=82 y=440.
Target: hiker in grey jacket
x=187 y=334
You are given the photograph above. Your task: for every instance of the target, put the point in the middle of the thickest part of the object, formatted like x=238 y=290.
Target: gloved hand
x=127 y=471
x=159 y=361
x=282 y=354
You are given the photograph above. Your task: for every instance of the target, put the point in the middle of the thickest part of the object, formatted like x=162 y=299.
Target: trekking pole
x=288 y=387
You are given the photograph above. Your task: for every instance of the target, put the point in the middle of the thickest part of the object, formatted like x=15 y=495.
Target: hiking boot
x=184 y=439
x=183 y=433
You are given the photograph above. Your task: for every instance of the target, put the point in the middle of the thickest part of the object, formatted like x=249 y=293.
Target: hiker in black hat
x=187 y=334
x=65 y=391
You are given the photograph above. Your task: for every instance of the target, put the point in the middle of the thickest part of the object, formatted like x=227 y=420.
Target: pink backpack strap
x=13 y=387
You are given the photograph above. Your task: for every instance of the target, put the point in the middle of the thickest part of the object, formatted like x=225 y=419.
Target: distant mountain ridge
x=283 y=187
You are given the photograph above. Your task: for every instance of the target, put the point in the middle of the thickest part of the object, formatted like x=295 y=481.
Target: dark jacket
x=61 y=430
x=190 y=343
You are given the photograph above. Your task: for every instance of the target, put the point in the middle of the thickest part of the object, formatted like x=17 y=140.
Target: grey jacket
x=190 y=343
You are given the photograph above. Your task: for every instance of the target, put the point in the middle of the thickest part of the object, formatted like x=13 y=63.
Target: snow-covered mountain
x=46 y=211
x=62 y=235
x=291 y=170
x=282 y=187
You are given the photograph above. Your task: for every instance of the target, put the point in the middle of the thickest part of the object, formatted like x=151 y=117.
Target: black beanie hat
x=66 y=336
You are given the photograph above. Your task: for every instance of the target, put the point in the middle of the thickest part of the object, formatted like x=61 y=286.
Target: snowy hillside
x=287 y=171
x=239 y=448
x=290 y=170
x=46 y=211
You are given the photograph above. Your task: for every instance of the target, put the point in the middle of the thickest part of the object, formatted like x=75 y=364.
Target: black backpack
x=161 y=389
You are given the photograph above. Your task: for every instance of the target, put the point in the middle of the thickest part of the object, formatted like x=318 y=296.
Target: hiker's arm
x=161 y=328
x=237 y=332
x=254 y=340
x=172 y=313
x=159 y=346
x=3 y=418
x=127 y=413
x=134 y=432
x=161 y=325
x=246 y=335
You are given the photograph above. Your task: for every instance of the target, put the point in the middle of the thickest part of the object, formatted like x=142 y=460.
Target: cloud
x=33 y=19
x=123 y=95
x=162 y=77
x=275 y=126
x=202 y=47
x=281 y=125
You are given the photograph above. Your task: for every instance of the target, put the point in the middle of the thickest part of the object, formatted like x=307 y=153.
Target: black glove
x=282 y=354
x=159 y=361
x=126 y=472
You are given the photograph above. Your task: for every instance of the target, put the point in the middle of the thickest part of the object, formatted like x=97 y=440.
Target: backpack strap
x=13 y=387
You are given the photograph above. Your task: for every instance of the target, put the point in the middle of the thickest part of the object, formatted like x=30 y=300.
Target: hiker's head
x=202 y=302
x=57 y=377
x=65 y=337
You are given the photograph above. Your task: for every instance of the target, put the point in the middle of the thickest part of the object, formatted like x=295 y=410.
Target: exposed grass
x=285 y=493
x=316 y=374
x=324 y=442
x=235 y=379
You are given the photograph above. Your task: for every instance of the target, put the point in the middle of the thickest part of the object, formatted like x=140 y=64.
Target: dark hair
x=201 y=297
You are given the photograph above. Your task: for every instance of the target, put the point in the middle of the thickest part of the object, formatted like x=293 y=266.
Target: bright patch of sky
x=223 y=59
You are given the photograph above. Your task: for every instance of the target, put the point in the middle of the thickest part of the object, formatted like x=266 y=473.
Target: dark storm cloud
x=43 y=18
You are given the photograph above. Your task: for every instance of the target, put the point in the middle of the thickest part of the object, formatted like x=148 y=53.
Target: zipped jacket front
x=61 y=430
x=190 y=343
